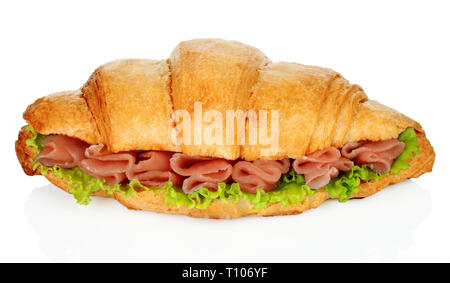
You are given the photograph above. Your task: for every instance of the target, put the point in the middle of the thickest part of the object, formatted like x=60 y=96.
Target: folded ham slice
x=62 y=150
x=262 y=174
x=200 y=171
x=153 y=169
x=321 y=166
x=103 y=164
x=378 y=156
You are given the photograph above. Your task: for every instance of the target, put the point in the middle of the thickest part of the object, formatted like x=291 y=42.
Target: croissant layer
x=63 y=113
x=133 y=105
x=130 y=102
x=219 y=74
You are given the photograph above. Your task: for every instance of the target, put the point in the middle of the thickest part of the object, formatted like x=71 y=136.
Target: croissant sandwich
x=219 y=131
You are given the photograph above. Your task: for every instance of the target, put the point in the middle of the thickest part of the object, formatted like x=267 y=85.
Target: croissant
x=273 y=138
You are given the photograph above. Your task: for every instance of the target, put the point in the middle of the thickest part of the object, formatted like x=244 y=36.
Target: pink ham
x=103 y=164
x=200 y=171
x=321 y=166
x=153 y=169
x=262 y=174
x=378 y=156
x=61 y=150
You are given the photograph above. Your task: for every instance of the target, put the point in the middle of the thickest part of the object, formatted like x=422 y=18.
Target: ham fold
x=321 y=166
x=200 y=171
x=378 y=156
x=62 y=150
x=153 y=169
x=262 y=174
x=103 y=164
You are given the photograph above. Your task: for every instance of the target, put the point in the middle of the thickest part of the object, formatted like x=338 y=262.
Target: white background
x=398 y=51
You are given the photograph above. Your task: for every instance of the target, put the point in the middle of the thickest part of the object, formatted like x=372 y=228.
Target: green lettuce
x=83 y=185
x=346 y=184
x=289 y=192
x=292 y=187
x=36 y=140
x=409 y=137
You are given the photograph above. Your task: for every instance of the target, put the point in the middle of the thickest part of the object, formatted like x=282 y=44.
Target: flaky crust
x=130 y=101
x=130 y=104
x=318 y=108
x=63 y=113
x=219 y=74
x=147 y=200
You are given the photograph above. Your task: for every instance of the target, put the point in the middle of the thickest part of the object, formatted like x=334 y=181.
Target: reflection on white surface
x=375 y=228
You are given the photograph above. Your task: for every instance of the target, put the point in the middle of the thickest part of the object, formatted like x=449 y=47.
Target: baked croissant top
x=129 y=104
x=218 y=130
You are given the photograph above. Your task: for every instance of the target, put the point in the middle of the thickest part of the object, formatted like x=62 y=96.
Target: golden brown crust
x=306 y=104
x=218 y=73
x=218 y=209
x=375 y=121
x=63 y=113
x=130 y=101
x=318 y=108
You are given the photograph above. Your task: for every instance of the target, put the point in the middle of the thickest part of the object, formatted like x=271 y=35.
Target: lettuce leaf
x=83 y=185
x=409 y=137
x=36 y=140
x=346 y=184
x=289 y=193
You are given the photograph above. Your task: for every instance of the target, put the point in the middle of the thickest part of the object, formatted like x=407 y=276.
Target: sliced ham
x=103 y=164
x=262 y=174
x=153 y=169
x=61 y=150
x=321 y=166
x=200 y=171
x=378 y=156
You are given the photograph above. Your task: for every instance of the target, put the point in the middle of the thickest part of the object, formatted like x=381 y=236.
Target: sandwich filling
x=196 y=181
